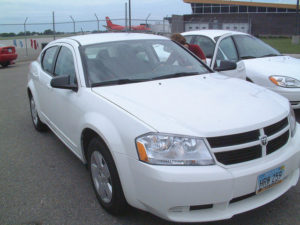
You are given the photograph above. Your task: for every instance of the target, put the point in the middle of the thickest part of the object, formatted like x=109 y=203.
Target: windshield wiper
x=248 y=57
x=173 y=75
x=117 y=82
x=269 y=55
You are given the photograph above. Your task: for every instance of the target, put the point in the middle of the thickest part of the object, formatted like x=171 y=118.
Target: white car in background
x=256 y=61
x=160 y=130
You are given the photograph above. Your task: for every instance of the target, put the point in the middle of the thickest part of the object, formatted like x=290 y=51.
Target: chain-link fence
x=30 y=38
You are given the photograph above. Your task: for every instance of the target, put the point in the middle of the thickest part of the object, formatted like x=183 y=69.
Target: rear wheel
x=105 y=178
x=38 y=124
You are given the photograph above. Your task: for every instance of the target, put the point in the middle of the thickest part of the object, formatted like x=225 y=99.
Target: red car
x=7 y=55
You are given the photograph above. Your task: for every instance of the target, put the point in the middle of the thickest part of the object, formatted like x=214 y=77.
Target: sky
x=40 y=11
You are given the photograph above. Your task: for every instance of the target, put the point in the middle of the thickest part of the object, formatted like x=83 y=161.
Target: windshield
x=251 y=47
x=138 y=61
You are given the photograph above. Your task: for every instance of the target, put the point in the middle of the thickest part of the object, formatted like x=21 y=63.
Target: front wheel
x=38 y=124
x=105 y=178
x=5 y=64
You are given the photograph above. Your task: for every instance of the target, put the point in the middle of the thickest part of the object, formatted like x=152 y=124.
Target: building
x=254 y=16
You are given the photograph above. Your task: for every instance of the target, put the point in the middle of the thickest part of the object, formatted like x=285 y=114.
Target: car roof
x=110 y=37
x=211 y=33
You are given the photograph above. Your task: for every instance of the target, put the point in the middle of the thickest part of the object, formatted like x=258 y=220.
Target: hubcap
x=33 y=111
x=101 y=176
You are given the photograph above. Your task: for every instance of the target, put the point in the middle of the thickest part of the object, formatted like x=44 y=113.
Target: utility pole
x=25 y=35
x=97 y=22
x=53 y=25
x=129 y=15
x=73 y=24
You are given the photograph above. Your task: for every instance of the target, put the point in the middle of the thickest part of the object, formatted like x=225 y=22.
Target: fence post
x=126 y=19
x=129 y=15
x=97 y=22
x=25 y=35
x=73 y=24
x=53 y=20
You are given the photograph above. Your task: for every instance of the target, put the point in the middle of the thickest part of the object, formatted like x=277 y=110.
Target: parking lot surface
x=42 y=182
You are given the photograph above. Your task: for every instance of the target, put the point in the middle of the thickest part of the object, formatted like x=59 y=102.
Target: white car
x=165 y=135
x=256 y=61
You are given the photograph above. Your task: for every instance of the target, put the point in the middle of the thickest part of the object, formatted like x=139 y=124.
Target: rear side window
x=48 y=59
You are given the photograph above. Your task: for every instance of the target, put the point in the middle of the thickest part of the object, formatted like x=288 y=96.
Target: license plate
x=269 y=179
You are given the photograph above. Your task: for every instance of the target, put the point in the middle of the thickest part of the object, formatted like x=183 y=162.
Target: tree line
x=28 y=33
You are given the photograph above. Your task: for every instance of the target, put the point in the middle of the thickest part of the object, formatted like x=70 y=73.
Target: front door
x=226 y=50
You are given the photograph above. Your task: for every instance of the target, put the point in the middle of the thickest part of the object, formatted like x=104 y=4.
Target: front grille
x=256 y=149
x=277 y=143
x=237 y=199
x=239 y=156
x=235 y=139
x=199 y=207
x=273 y=129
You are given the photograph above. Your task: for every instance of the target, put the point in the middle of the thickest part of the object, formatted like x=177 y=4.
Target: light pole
x=73 y=24
x=25 y=35
x=97 y=22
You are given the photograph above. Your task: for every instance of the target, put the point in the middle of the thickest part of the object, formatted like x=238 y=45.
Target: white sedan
x=256 y=61
x=159 y=130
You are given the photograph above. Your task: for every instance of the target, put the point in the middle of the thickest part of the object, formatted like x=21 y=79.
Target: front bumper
x=206 y=193
x=292 y=94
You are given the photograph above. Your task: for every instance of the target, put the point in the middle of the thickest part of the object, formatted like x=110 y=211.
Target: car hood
x=278 y=65
x=204 y=105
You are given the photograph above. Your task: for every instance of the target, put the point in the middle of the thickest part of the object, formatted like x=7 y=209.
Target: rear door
x=226 y=50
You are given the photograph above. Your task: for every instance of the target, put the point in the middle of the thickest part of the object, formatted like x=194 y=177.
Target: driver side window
x=65 y=65
x=227 y=50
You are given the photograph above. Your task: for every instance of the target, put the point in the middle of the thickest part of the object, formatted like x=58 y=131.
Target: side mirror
x=225 y=65
x=63 y=82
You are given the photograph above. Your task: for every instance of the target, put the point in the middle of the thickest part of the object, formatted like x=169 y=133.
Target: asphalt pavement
x=42 y=182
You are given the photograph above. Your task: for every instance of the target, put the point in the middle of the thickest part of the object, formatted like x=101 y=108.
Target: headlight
x=167 y=149
x=286 y=82
x=292 y=120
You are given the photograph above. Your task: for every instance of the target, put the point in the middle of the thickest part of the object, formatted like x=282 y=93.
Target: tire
x=37 y=123
x=5 y=64
x=105 y=178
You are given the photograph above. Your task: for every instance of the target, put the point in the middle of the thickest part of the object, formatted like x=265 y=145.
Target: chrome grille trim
x=223 y=154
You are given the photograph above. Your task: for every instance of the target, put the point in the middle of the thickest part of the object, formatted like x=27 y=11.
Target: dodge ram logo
x=264 y=140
